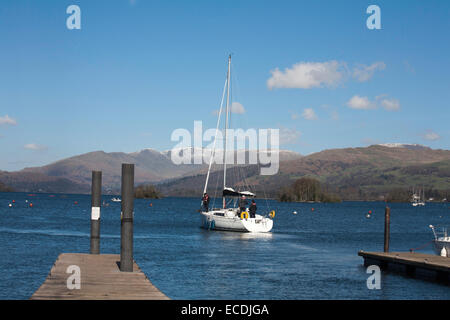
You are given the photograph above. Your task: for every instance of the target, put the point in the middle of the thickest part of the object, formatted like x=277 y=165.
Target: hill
x=368 y=173
x=73 y=175
x=5 y=188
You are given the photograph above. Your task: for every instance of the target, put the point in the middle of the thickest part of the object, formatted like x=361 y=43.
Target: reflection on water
x=224 y=235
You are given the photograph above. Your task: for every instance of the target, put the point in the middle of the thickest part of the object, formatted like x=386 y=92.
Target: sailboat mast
x=226 y=129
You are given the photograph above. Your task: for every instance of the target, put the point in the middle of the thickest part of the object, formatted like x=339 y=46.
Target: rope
x=421 y=247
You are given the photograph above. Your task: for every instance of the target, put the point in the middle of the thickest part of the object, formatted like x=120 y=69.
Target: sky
x=137 y=70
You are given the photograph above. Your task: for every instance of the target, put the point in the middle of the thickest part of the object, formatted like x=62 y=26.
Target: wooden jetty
x=94 y=276
x=100 y=279
x=413 y=264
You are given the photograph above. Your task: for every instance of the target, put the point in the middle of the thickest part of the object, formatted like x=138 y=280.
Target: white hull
x=415 y=204
x=228 y=220
x=441 y=243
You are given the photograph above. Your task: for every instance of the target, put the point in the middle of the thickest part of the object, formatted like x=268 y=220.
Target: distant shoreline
x=194 y=197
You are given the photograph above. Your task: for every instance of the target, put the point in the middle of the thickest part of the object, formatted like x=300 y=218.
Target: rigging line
x=236 y=92
x=224 y=200
x=215 y=138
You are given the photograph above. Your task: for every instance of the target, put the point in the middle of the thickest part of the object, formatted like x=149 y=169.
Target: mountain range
x=352 y=173
x=73 y=175
x=367 y=173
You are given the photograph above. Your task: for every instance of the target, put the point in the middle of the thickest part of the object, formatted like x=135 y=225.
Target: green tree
x=146 y=192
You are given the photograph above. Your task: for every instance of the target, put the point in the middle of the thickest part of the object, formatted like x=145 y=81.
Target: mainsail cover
x=230 y=192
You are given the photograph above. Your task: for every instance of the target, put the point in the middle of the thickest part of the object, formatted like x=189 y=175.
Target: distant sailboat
x=418 y=199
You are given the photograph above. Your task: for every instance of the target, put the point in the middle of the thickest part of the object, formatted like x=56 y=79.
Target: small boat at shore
x=441 y=241
x=417 y=199
x=116 y=200
x=230 y=217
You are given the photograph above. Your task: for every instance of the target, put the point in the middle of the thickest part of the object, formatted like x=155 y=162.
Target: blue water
x=311 y=255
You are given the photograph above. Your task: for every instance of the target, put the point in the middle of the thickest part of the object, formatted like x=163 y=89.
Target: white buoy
x=443 y=252
x=295 y=212
x=10 y=205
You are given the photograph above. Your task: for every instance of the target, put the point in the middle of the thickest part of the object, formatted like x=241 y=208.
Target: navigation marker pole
x=126 y=217
x=96 y=194
x=387 y=222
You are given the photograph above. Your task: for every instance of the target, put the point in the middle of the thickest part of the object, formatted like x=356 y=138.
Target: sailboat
x=231 y=218
x=417 y=199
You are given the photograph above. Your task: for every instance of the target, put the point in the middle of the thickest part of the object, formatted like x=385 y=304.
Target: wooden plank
x=100 y=277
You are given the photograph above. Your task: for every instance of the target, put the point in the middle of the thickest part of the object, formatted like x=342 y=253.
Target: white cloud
x=362 y=103
x=309 y=114
x=36 y=147
x=364 y=73
x=236 y=107
x=289 y=136
x=7 y=120
x=432 y=136
x=390 y=104
x=307 y=75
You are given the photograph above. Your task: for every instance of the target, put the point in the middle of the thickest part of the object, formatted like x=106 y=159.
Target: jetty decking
x=411 y=263
x=101 y=279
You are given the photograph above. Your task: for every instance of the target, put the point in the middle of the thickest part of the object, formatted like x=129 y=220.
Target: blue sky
x=137 y=70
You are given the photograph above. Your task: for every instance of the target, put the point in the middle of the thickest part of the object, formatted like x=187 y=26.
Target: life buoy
x=244 y=213
x=272 y=214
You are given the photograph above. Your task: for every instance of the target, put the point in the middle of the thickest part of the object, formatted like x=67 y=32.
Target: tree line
x=405 y=195
x=306 y=190
x=146 y=191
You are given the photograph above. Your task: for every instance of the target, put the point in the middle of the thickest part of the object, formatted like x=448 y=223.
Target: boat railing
x=439 y=232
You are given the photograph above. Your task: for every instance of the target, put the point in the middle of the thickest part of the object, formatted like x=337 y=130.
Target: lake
x=311 y=255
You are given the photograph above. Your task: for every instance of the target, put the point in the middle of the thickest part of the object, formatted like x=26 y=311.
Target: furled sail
x=230 y=192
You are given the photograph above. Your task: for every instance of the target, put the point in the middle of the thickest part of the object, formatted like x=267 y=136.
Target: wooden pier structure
x=413 y=264
x=95 y=276
x=100 y=279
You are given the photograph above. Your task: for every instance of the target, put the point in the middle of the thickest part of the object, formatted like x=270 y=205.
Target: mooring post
x=126 y=236
x=387 y=222
x=96 y=195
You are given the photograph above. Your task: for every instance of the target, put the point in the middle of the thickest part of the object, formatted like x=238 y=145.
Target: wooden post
x=96 y=195
x=126 y=236
x=387 y=222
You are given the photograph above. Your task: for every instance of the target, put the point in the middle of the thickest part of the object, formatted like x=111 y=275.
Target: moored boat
x=441 y=241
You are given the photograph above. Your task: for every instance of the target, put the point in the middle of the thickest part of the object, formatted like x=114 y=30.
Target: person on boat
x=205 y=201
x=252 y=209
x=242 y=204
